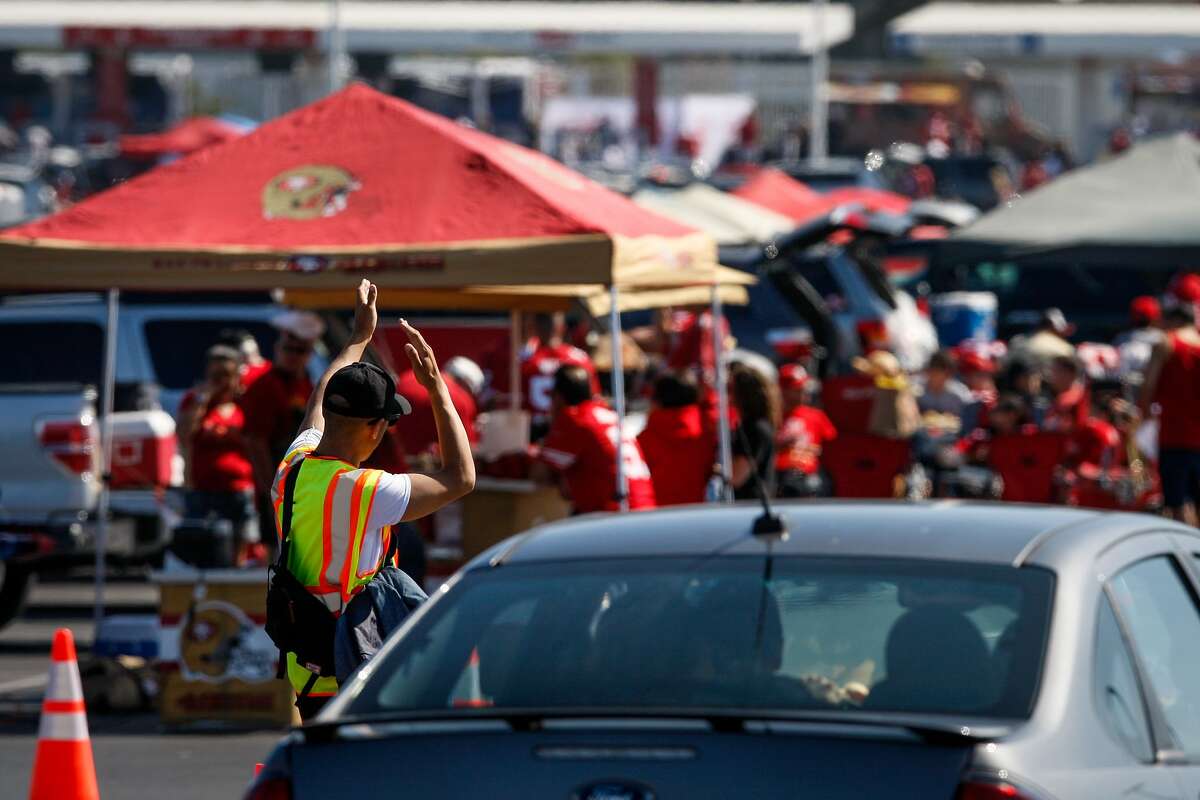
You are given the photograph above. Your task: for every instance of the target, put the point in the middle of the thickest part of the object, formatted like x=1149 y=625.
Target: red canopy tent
x=357 y=184
x=187 y=137
x=778 y=191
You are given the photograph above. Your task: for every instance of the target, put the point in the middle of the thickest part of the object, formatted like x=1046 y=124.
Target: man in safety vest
x=340 y=513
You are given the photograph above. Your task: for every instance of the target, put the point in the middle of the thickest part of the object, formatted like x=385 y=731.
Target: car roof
x=999 y=533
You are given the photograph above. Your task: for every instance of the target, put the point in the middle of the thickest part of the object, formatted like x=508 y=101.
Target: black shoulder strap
x=285 y=525
x=393 y=545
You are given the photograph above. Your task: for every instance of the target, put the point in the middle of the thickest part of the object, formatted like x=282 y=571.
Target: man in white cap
x=275 y=403
x=468 y=374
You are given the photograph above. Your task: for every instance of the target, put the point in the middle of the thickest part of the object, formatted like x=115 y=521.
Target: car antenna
x=768 y=524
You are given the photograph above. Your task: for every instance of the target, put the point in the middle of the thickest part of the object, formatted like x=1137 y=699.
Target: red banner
x=190 y=39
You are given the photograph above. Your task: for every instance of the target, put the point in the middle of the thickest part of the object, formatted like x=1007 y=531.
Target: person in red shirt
x=419 y=433
x=218 y=474
x=547 y=353
x=1008 y=417
x=978 y=373
x=275 y=403
x=678 y=443
x=580 y=448
x=803 y=434
x=253 y=365
x=1070 y=405
x=1173 y=385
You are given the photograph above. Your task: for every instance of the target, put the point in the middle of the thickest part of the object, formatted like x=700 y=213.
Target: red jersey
x=804 y=432
x=537 y=375
x=1095 y=443
x=581 y=445
x=274 y=408
x=219 y=462
x=1178 y=396
x=418 y=431
x=680 y=448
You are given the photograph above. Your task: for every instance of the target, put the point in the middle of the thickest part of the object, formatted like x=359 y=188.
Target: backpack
x=297 y=621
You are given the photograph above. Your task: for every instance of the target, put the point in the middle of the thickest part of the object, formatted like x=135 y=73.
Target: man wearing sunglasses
x=337 y=515
x=275 y=402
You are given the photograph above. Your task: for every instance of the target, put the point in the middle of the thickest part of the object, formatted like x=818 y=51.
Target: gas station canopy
x=638 y=28
x=1051 y=30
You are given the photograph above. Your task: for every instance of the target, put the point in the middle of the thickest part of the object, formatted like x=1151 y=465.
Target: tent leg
x=514 y=361
x=724 y=437
x=618 y=390
x=109 y=380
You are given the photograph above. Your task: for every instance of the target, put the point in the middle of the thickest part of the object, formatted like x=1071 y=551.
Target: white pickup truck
x=51 y=362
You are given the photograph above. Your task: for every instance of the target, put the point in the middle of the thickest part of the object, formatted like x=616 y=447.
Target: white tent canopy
x=648 y=28
x=1052 y=30
x=713 y=121
x=728 y=219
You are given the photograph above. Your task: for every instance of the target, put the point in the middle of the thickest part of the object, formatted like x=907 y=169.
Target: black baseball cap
x=364 y=391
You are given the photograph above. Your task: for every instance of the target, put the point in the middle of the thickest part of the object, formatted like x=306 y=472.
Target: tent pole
x=724 y=437
x=337 y=45
x=618 y=390
x=514 y=361
x=818 y=140
x=109 y=381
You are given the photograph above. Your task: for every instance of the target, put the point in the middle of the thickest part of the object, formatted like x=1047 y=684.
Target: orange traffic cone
x=63 y=768
x=474 y=686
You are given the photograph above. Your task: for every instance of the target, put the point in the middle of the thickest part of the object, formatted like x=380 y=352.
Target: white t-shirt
x=392 y=494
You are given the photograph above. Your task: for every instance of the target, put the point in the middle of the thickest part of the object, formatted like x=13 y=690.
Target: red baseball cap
x=1187 y=287
x=792 y=376
x=971 y=361
x=1145 y=309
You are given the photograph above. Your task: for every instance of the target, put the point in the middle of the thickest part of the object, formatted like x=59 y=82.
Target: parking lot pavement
x=135 y=756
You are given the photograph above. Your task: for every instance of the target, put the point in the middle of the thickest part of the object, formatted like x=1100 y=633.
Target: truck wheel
x=14 y=588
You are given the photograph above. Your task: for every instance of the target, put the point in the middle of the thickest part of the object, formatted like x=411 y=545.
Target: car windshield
x=713 y=633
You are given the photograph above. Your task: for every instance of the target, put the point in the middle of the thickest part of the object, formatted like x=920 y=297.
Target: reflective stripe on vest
x=331 y=508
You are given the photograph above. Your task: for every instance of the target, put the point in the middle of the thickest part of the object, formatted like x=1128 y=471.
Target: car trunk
x=633 y=760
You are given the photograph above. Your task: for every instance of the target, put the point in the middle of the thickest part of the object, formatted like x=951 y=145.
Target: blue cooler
x=128 y=635
x=964 y=316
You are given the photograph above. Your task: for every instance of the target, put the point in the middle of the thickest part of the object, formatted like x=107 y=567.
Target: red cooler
x=143 y=449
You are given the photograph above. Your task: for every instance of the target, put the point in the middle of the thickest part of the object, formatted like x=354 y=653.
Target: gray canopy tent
x=1141 y=208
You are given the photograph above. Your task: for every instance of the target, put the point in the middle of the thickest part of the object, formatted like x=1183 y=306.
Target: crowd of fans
x=1036 y=419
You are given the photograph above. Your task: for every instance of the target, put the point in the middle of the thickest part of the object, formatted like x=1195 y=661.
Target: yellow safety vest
x=331 y=505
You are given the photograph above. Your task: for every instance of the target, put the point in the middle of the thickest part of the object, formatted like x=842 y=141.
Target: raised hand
x=424 y=363
x=365 y=315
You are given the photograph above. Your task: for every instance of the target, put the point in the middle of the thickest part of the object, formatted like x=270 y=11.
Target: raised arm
x=457 y=475
x=365 y=317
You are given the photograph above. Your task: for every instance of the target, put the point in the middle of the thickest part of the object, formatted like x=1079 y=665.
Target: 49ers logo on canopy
x=308 y=192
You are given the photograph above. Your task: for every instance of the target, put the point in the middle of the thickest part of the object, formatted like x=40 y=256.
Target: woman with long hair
x=758 y=405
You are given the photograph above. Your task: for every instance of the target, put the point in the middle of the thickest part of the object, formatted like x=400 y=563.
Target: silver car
x=942 y=650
